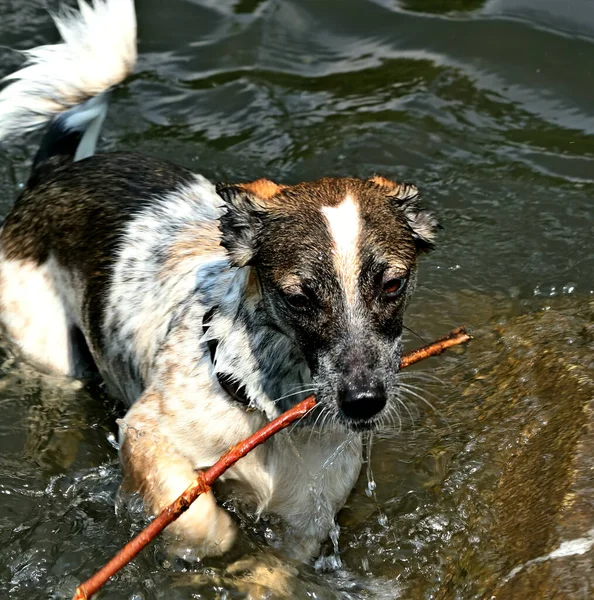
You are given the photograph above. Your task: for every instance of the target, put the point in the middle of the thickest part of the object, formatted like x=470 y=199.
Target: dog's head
x=336 y=264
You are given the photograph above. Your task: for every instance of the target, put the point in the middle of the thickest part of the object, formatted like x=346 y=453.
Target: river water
x=487 y=106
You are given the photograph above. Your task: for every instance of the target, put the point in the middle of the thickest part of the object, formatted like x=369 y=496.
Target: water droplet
x=111 y=438
x=334 y=535
x=370 y=480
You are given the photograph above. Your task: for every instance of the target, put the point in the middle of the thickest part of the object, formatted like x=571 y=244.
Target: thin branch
x=205 y=479
x=455 y=337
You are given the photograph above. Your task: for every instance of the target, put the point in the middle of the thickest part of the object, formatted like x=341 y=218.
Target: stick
x=455 y=337
x=205 y=479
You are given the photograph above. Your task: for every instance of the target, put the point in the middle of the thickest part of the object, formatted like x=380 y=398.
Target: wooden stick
x=206 y=479
x=455 y=337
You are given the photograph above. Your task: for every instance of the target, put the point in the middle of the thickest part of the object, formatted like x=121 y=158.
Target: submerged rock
x=496 y=498
x=543 y=497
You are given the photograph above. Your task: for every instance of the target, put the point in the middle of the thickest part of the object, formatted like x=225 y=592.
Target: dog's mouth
x=360 y=425
x=338 y=419
x=327 y=416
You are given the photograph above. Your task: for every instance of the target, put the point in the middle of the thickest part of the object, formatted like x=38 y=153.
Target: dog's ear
x=405 y=196
x=246 y=206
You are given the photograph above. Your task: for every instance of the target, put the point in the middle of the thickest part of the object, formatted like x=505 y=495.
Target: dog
x=208 y=308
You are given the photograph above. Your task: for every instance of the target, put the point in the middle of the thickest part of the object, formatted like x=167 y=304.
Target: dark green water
x=489 y=107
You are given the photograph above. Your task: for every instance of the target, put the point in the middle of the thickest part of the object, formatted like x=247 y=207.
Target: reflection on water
x=488 y=107
x=438 y=7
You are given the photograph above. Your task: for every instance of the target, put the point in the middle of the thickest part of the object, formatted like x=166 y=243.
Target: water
x=487 y=106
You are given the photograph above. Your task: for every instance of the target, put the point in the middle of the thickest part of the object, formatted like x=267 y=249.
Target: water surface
x=487 y=106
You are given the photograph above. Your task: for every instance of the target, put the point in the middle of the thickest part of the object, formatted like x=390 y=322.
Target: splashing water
x=371 y=485
x=332 y=561
x=370 y=490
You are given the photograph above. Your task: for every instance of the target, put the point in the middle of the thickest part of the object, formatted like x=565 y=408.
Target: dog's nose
x=360 y=404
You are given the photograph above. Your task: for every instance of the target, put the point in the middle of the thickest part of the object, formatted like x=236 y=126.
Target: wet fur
x=117 y=258
x=132 y=246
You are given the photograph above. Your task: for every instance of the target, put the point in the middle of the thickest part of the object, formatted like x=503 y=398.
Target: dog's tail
x=68 y=83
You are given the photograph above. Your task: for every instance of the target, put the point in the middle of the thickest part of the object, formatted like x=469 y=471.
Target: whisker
x=306 y=414
x=304 y=391
x=407 y=386
x=323 y=409
x=421 y=376
x=417 y=395
x=394 y=408
x=301 y=385
x=412 y=419
x=391 y=415
x=324 y=419
x=415 y=334
x=435 y=410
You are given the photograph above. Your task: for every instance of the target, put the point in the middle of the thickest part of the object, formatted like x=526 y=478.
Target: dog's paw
x=204 y=530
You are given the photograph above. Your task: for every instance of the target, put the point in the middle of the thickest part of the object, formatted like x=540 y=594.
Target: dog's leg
x=160 y=472
x=35 y=316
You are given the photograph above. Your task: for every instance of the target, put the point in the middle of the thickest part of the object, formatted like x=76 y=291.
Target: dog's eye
x=393 y=287
x=298 y=301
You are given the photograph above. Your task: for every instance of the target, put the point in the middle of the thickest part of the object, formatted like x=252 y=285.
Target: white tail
x=98 y=51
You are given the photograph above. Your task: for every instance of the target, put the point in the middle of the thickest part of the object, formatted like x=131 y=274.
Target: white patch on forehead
x=344 y=226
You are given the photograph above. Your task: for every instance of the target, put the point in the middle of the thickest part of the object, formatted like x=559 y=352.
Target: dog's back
x=59 y=247
x=73 y=223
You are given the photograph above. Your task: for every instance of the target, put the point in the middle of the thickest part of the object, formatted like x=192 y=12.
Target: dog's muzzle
x=361 y=404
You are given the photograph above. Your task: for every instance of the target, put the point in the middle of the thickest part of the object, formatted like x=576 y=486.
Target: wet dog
x=209 y=308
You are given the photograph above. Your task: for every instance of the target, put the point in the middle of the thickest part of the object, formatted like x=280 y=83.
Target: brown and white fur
x=304 y=288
